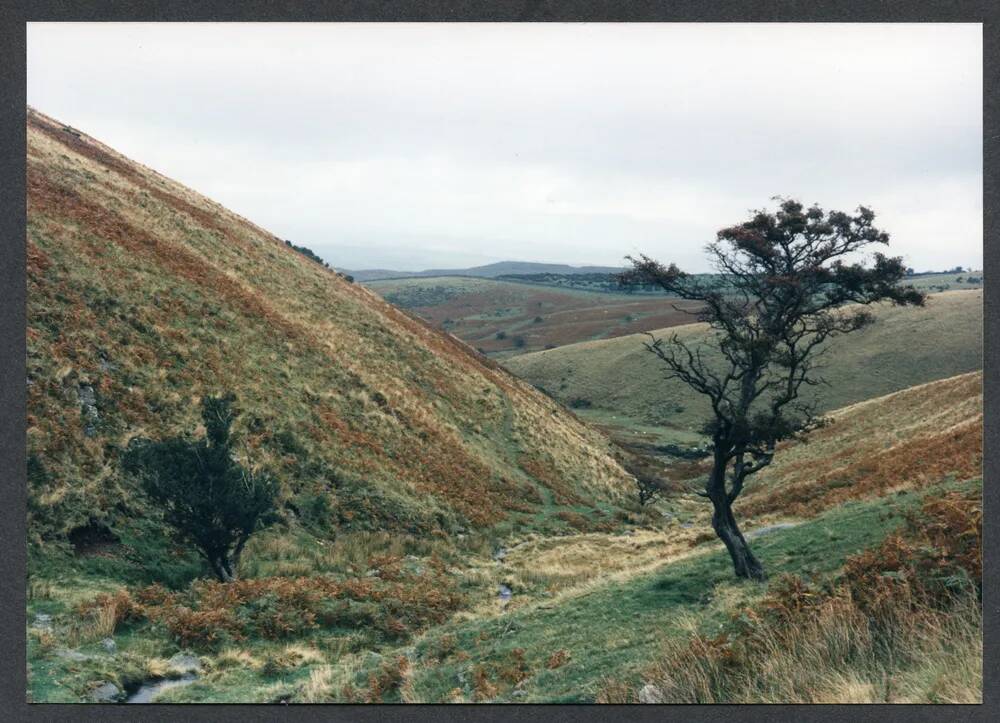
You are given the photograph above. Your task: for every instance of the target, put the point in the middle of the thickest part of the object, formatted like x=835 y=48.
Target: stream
x=149 y=689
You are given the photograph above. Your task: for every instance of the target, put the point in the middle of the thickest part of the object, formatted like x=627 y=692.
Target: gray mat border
x=13 y=16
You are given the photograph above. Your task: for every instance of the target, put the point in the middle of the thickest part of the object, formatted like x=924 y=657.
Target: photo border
x=13 y=352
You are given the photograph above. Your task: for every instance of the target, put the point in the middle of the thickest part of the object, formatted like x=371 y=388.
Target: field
x=618 y=384
x=504 y=318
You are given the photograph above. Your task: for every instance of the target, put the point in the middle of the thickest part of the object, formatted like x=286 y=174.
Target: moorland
x=448 y=529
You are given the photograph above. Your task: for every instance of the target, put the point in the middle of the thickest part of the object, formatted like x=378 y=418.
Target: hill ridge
x=145 y=295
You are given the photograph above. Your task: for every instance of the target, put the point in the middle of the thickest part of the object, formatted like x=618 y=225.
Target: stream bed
x=149 y=689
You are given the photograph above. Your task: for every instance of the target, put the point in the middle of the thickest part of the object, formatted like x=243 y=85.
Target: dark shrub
x=210 y=500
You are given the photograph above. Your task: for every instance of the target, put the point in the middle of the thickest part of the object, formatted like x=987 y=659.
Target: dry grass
x=319 y=687
x=833 y=658
x=129 y=273
x=905 y=440
x=903 y=623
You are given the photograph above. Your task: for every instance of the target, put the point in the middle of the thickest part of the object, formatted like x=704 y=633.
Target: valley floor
x=589 y=617
x=564 y=636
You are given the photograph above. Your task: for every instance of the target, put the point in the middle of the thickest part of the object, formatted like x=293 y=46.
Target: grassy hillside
x=947 y=282
x=143 y=296
x=594 y=615
x=504 y=318
x=617 y=382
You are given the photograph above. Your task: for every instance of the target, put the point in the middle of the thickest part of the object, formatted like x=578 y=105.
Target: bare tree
x=787 y=282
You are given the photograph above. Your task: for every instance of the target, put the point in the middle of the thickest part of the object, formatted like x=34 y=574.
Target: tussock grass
x=930 y=657
x=902 y=623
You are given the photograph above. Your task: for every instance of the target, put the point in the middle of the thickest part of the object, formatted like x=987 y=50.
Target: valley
x=454 y=525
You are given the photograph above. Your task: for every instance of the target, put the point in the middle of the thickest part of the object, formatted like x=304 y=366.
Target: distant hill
x=616 y=381
x=501 y=317
x=489 y=271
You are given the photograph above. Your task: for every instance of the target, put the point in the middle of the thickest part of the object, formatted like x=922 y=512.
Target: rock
x=500 y=554
x=519 y=693
x=42 y=621
x=106 y=693
x=88 y=397
x=88 y=405
x=650 y=694
x=505 y=593
x=110 y=645
x=687 y=524
x=74 y=655
x=184 y=663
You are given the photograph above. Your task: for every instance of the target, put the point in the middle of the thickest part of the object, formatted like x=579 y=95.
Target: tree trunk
x=223 y=569
x=745 y=565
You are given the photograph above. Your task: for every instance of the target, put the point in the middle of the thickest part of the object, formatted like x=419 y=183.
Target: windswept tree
x=210 y=500
x=788 y=281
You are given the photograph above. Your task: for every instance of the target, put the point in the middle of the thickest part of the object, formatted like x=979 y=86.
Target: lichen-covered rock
x=106 y=693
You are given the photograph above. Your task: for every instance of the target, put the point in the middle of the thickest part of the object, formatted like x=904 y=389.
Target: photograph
x=503 y=363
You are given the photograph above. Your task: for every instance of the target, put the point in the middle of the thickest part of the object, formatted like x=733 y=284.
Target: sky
x=413 y=146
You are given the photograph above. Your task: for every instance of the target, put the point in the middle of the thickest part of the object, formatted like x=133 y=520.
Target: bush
x=392 y=605
x=210 y=501
x=308 y=253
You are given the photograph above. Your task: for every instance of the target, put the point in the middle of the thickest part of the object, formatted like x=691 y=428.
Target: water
x=146 y=691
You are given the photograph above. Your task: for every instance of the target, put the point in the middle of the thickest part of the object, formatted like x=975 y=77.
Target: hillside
x=617 y=382
x=592 y=614
x=502 y=318
x=489 y=271
x=143 y=296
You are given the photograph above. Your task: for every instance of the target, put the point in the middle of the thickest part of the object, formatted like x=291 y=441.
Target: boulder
x=184 y=663
x=106 y=693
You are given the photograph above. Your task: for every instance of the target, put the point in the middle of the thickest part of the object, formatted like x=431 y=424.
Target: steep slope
x=143 y=296
x=907 y=439
x=905 y=347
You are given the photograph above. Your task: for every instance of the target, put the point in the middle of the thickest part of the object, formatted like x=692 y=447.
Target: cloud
x=558 y=142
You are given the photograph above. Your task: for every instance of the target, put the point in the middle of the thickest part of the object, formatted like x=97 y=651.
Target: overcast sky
x=440 y=145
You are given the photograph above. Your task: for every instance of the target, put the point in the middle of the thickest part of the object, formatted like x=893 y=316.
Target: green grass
x=625 y=387
x=610 y=630
x=615 y=630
